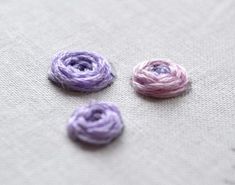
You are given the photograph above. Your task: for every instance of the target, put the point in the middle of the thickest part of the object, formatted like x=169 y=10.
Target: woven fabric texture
x=185 y=140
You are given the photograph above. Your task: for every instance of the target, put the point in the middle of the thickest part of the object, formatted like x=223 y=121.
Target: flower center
x=161 y=69
x=95 y=115
x=81 y=65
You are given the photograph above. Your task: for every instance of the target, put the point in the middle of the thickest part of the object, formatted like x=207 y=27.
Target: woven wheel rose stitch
x=81 y=71
x=97 y=123
x=160 y=79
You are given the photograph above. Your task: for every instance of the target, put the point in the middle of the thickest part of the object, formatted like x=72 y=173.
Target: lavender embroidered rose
x=81 y=71
x=96 y=123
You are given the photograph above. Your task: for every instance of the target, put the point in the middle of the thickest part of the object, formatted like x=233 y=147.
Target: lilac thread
x=160 y=79
x=96 y=123
x=81 y=71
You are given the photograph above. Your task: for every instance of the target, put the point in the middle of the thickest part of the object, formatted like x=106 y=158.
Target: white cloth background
x=188 y=140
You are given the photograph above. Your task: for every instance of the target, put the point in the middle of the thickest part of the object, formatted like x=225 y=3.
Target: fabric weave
x=185 y=140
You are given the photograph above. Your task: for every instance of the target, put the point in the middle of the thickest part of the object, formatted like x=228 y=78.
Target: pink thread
x=160 y=79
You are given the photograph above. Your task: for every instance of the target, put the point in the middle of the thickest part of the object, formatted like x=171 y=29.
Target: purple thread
x=161 y=69
x=81 y=71
x=96 y=123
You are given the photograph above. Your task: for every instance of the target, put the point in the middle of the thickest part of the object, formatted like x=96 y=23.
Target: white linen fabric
x=186 y=140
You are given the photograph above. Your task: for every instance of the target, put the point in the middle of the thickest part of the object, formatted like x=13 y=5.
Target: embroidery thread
x=160 y=79
x=81 y=71
x=97 y=123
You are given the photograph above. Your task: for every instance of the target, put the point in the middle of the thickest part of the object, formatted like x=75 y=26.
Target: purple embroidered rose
x=96 y=123
x=81 y=71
